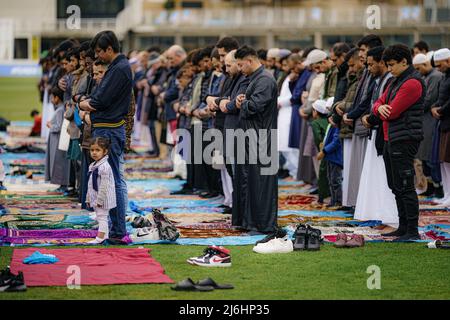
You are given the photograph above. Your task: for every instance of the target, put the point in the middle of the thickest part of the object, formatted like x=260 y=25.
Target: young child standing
x=101 y=194
x=319 y=127
x=332 y=153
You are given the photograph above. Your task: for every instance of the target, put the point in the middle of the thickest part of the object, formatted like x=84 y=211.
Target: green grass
x=408 y=271
x=18 y=96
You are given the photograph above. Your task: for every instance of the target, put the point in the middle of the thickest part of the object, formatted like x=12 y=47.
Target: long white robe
x=375 y=200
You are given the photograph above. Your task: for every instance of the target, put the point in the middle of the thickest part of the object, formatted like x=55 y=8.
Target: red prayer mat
x=96 y=267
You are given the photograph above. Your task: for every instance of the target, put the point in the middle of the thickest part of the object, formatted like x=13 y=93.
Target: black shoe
x=345 y=208
x=279 y=233
x=430 y=190
x=283 y=173
x=12 y=283
x=182 y=192
x=209 y=195
x=227 y=210
x=408 y=237
x=199 y=192
x=439 y=192
x=397 y=233
x=300 y=238
x=222 y=206
x=313 y=238
x=316 y=191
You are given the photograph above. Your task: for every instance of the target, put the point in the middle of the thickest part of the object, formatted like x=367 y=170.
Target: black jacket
x=407 y=127
x=444 y=102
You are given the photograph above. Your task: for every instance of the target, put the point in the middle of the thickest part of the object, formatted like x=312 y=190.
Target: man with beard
x=256 y=205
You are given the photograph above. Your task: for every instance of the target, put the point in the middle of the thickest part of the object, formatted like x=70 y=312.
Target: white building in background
x=29 y=27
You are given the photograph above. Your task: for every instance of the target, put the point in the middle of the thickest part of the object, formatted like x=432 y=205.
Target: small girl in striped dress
x=101 y=193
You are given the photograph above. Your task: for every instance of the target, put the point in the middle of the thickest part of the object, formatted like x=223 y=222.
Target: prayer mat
x=93 y=266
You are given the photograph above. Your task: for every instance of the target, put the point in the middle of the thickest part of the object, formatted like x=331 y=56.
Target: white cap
x=420 y=58
x=284 y=53
x=329 y=103
x=320 y=106
x=315 y=56
x=429 y=55
x=273 y=53
x=441 y=54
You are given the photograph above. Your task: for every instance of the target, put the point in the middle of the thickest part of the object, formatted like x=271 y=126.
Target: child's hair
x=34 y=113
x=99 y=62
x=102 y=142
x=57 y=92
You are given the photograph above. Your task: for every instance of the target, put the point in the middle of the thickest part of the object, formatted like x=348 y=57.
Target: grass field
x=18 y=96
x=408 y=271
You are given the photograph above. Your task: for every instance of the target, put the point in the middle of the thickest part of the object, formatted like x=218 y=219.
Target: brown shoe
x=356 y=240
x=341 y=240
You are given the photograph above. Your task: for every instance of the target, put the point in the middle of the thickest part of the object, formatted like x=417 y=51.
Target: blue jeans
x=116 y=161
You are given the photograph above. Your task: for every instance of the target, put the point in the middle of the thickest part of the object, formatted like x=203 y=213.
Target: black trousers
x=399 y=161
x=334 y=174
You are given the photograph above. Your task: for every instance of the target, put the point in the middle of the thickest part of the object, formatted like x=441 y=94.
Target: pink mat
x=97 y=267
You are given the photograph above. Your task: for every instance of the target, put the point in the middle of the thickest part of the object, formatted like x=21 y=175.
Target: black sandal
x=189 y=285
x=208 y=282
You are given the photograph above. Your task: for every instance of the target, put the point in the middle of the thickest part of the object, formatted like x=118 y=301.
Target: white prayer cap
x=273 y=53
x=320 y=106
x=329 y=103
x=441 y=54
x=429 y=55
x=420 y=58
x=284 y=53
x=315 y=56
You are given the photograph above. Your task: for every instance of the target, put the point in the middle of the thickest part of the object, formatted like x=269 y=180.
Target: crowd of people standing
x=366 y=126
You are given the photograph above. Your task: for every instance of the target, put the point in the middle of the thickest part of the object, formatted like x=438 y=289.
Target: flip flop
x=189 y=285
x=208 y=282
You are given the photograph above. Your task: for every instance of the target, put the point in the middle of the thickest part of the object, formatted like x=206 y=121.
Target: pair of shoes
x=307 y=238
x=408 y=237
x=141 y=222
x=207 y=284
x=143 y=234
x=213 y=256
x=439 y=244
x=349 y=241
x=276 y=245
x=10 y=282
x=279 y=233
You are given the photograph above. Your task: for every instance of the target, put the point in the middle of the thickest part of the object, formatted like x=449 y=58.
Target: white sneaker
x=145 y=234
x=277 y=245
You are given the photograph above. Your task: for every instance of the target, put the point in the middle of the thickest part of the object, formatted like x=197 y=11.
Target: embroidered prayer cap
x=441 y=54
x=420 y=58
x=320 y=106
x=315 y=56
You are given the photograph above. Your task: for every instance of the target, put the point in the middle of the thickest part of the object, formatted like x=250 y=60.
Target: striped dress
x=105 y=195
